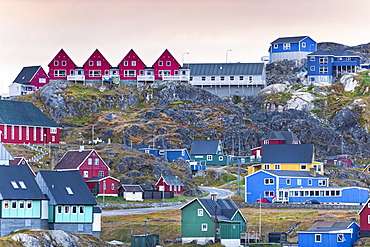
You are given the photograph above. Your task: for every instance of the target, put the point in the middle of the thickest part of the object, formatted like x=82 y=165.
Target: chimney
x=81 y=148
x=214 y=197
x=313 y=171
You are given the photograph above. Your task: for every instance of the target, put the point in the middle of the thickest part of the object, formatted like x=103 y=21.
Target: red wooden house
x=28 y=80
x=61 y=67
x=365 y=219
x=23 y=123
x=96 y=67
x=170 y=183
x=93 y=170
x=131 y=67
x=166 y=67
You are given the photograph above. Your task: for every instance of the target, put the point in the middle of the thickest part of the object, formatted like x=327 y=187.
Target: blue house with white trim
x=299 y=186
x=291 y=48
x=325 y=66
x=169 y=154
x=330 y=233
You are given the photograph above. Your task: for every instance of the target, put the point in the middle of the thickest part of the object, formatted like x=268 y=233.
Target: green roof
x=23 y=113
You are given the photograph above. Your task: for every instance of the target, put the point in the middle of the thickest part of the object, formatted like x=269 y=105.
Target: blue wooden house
x=23 y=205
x=329 y=233
x=291 y=48
x=325 y=66
x=169 y=154
x=217 y=220
x=299 y=186
x=72 y=208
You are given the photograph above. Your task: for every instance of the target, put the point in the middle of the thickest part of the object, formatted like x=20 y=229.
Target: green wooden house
x=212 y=220
x=208 y=152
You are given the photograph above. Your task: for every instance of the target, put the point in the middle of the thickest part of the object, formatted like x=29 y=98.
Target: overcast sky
x=33 y=31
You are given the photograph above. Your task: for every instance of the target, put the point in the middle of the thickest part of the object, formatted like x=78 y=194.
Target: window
x=160 y=63
x=14 y=184
x=200 y=212
x=101 y=174
x=267 y=167
x=303 y=44
x=204 y=227
x=164 y=72
x=349 y=59
x=323 y=69
x=106 y=72
x=6 y=204
x=312 y=68
x=69 y=190
x=322 y=182
x=20 y=132
x=86 y=174
x=268 y=193
x=303 y=167
x=323 y=60
x=299 y=181
x=312 y=58
x=276 y=46
x=21 y=204
x=66 y=209
x=59 y=73
x=94 y=73
x=112 y=186
x=125 y=63
x=29 y=204
x=129 y=73
x=133 y=63
x=34 y=133
x=91 y=63
x=82 y=209
x=96 y=161
x=12 y=132
x=213 y=78
x=104 y=185
x=203 y=78
x=269 y=181
x=286 y=46
x=220 y=158
x=288 y=181
x=241 y=78
x=64 y=63
x=277 y=166
x=89 y=161
x=222 y=78
x=53 y=130
x=317 y=237
x=56 y=63
x=231 y=78
x=71 y=72
x=309 y=182
x=14 y=204
x=176 y=72
x=209 y=157
x=74 y=209
x=59 y=209
x=168 y=63
x=98 y=63
x=22 y=184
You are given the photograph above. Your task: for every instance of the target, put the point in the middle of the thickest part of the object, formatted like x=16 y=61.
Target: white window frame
x=303 y=167
x=98 y=63
x=60 y=73
x=129 y=73
x=12 y=132
x=303 y=44
x=317 y=238
x=220 y=158
x=53 y=130
x=286 y=46
x=312 y=58
x=101 y=174
x=56 y=63
x=277 y=167
x=200 y=212
x=69 y=190
x=276 y=46
x=323 y=60
x=81 y=209
x=160 y=63
x=112 y=186
x=89 y=161
x=86 y=174
x=204 y=227
x=168 y=63
x=309 y=182
x=22 y=184
x=340 y=238
x=267 y=166
x=64 y=63
x=74 y=208
x=96 y=161
x=19 y=132
x=125 y=63
x=34 y=133
x=299 y=181
x=209 y=157
x=323 y=69
x=67 y=209
x=268 y=181
x=91 y=63
x=95 y=73
x=133 y=63
x=59 y=209
x=27 y=133
x=6 y=204
x=312 y=68
x=269 y=193
x=288 y=181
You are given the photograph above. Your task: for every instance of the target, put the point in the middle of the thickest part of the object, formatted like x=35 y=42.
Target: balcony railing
x=76 y=78
x=175 y=78
x=226 y=83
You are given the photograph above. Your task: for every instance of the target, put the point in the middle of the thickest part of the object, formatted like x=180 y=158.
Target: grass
x=120 y=200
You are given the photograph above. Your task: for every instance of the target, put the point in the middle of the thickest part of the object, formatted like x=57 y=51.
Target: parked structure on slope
x=170 y=183
x=28 y=80
x=291 y=48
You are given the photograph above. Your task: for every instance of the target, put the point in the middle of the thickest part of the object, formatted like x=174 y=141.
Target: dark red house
x=23 y=123
x=93 y=170
x=96 y=67
x=61 y=66
x=131 y=66
x=170 y=183
x=28 y=80
x=365 y=220
x=166 y=67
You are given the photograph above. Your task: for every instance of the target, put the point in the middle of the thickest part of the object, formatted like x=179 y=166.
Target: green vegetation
x=277 y=99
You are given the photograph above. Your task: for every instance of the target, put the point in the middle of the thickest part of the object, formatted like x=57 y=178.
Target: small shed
x=278 y=237
x=146 y=240
x=131 y=192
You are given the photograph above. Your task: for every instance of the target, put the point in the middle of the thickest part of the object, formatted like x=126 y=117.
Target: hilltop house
x=62 y=68
x=170 y=183
x=287 y=157
x=208 y=152
x=23 y=205
x=291 y=48
x=365 y=219
x=169 y=154
x=28 y=80
x=226 y=79
x=216 y=220
x=23 y=123
x=299 y=186
x=92 y=169
x=72 y=208
x=325 y=66
x=329 y=233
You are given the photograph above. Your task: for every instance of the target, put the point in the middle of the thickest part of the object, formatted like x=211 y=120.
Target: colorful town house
x=287 y=157
x=299 y=186
x=23 y=205
x=169 y=154
x=208 y=152
x=325 y=66
x=365 y=219
x=61 y=68
x=329 y=233
x=212 y=220
x=166 y=68
x=170 y=183
x=291 y=48
x=28 y=80
x=23 y=123
x=226 y=79
x=72 y=208
x=92 y=169
x=96 y=67
x=132 y=69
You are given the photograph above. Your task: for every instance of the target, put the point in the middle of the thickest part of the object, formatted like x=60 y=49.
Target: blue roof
x=287 y=153
x=327 y=226
x=342 y=53
x=296 y=174
x=172 y=180
x=289 y=39
x=226 y=69
x=17 y=174
x=226 y=208
x=204 y=147
x=26 y=74
x=57 y=183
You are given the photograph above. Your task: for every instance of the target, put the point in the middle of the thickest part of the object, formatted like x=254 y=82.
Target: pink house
x=61 y=67
x=166 y=67
x=96 y=67
x=93 y=170
x=131 y=66
x=170 y=183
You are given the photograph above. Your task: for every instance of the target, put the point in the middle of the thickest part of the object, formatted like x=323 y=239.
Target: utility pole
x=92 y=136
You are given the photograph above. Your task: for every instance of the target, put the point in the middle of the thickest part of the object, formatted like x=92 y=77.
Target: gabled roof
x=73 y=159
x=97 y=53
x=295 y=39
x=21 y=161
x=342 y=53
x=131 y=53
x=293 y=174
x=328 y=226
x=286 y=136
x=26 y=74
x=28 y=190
x=172 y=180
x=168 y=54
x=364 y=206
x=5 y=154
x=287 y=153
x=57 y=183
x=24 y=114
x=61 y=53
x=98 y=179
x=225 y=69
x=204 y=147
x=132 y=188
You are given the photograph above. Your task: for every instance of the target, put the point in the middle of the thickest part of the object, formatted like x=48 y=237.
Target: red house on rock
x=166 y=67
x=22 y=122
x=131 y=67
x=170 y=183
x=62 y=67
x=365 y=220
x=28 y=80
x=93 y=170
x=96 y=67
